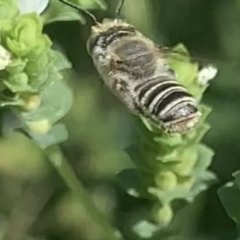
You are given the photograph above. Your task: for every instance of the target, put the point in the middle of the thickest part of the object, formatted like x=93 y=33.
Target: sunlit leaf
x=57 y=11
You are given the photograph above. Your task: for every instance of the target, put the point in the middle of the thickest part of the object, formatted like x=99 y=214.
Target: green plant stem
x=67 y=174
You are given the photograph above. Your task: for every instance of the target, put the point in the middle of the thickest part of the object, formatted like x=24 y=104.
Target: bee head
x=102 y=35
x=108 y=26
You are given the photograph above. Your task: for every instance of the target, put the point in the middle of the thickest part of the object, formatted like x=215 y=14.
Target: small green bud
x=25 y=34
x=39 y=127
x=166 y=180
x=43 y=44
x=163 y=215
x=18 y=48
x=28 y=29
x=32 y=102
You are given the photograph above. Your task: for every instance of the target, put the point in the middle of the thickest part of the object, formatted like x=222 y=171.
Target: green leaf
x=202 y=183
x=131 y=181
x=230 y=197
x=53 y=105
x=205 y=110
x=60 y=61
x=144 y=159
x=57 y=11
x=205 y=155
x=101 y=4
x=236 y=175
x=202 y=129
x=90 y=4
x=145 y=229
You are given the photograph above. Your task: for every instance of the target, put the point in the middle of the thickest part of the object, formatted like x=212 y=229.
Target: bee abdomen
x=170 y=100
x=158 y=97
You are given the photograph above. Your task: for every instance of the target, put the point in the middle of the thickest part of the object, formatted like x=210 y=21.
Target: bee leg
x=120 y=89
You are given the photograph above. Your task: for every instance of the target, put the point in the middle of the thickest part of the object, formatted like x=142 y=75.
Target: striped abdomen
x=167 y=103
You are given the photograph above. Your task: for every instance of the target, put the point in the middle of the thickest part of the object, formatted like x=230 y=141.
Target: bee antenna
x=119 y=8
x=72 y=5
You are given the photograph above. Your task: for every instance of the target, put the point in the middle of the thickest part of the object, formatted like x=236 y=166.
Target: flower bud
x=166 y=180
x=40 y=126
x=163 y=215
x=32 y=102
x=24 y=34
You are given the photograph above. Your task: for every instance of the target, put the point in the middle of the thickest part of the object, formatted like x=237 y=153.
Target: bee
x=135 y=69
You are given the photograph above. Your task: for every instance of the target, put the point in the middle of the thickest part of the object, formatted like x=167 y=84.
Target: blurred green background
x=33 y=199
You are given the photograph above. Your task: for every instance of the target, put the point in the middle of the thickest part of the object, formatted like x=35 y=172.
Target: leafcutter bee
x=136 y=71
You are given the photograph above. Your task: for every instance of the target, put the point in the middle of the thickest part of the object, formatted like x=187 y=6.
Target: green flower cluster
x=31 y=80
x=173 y=166
x=32 y=64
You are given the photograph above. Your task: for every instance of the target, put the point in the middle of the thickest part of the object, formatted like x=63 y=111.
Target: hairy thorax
x=119 y=47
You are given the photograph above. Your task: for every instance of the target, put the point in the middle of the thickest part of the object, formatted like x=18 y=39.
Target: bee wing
x=180 y=53
x=207 y=69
